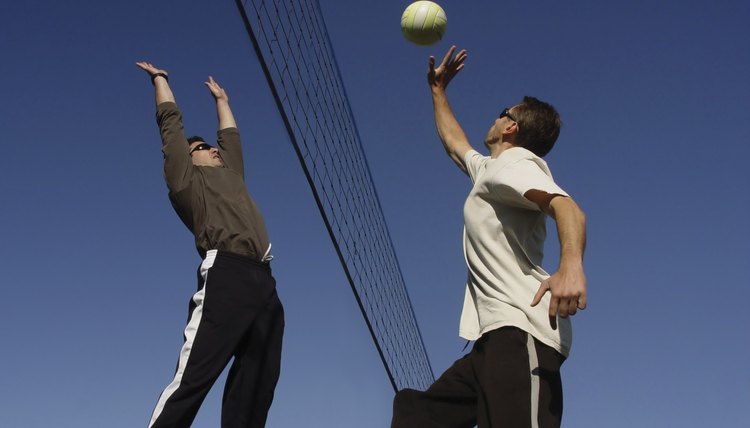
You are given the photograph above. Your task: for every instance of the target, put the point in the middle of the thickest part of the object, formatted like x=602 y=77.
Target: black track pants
x=509 y=379
x=235 y=313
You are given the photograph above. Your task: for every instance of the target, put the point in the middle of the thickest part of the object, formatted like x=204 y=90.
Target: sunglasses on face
x=506 y=113
x=199 y=147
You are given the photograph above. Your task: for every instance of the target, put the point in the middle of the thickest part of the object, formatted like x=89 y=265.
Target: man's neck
x=497 y=149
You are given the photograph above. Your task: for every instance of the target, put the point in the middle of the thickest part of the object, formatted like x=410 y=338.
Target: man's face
x=502 y=125
x=204 y=154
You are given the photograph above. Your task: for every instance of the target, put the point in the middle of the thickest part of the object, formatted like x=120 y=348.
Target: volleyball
x=423 y=23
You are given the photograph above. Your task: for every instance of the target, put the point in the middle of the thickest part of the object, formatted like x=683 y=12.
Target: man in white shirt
x=516 y=312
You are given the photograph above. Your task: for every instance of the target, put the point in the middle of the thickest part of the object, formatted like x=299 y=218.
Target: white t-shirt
x=504 y=237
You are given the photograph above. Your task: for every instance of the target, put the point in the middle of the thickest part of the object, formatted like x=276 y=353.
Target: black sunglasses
x=506 y=112
x=202 y=146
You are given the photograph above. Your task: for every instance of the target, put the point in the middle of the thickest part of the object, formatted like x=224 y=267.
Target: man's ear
x=512 y=128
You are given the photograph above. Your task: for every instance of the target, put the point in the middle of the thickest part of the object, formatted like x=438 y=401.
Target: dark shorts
x=509 y=379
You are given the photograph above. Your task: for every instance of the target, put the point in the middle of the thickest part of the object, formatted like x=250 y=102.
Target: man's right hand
x=150 y=68
x=159 y=79
x=440 y=77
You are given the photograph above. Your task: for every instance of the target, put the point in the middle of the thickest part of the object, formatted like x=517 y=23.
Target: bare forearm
x=162 y=90
x=571 y=230
x=451 y=134
x=568 y=285
x=224 y=112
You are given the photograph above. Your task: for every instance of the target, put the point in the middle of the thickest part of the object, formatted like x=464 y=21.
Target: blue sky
x=98 y=268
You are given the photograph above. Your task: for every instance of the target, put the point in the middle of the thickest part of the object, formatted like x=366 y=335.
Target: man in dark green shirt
x=237 y=314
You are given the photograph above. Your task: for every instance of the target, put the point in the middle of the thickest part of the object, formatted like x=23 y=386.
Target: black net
x=292 y=44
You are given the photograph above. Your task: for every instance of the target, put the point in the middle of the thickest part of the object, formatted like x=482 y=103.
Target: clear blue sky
x=98 y=269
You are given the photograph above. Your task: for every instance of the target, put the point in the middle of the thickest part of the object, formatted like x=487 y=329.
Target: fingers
x=448 y=55
x=543 y=287
x=450 y=60
x=572 y=307
x=565 y=306
x=461 y=56
x=149 y=68
x=572 y=302
x=145 y=66
x=217 y=91
x=582 y=301
x=562 y=302
x=213 y=86
x=553 y=307
x=560 y=307
x=458 y=62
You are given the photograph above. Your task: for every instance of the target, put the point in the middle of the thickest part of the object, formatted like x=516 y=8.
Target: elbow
x=455 y=147
x=581 y=214
x=559 y=205
x=449 y=150
x=574 y=206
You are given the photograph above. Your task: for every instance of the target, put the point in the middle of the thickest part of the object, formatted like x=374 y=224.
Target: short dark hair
x=195 y=138
x=538 y=125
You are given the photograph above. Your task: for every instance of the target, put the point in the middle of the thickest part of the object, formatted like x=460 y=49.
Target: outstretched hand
x=568 y=290
x=217 y=91
x=150 y=68
x=451 y=65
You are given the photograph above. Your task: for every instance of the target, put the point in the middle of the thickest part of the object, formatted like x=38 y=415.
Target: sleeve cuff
x=228 y=131
x=166 y=105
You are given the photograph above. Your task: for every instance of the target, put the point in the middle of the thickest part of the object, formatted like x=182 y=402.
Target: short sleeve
x=515 y=179
x=475 y=163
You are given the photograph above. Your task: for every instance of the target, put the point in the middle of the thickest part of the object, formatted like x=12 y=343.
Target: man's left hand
x=217 y=91
x=568 y=289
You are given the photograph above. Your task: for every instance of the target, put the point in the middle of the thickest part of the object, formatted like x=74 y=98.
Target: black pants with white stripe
x=236 y=313
x=509 y=379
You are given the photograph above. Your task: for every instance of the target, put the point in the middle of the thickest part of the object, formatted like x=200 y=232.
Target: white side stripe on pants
x=534 y=373
x=190 y=330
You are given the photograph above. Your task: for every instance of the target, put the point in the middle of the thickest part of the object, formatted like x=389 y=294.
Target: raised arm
x=228 y=135
x=451 y=134
x=178 y=167
x=568 y=284
x=224 y=112
x=160 y=80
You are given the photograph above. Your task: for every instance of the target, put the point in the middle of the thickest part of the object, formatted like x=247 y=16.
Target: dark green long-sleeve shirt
x=213 y=202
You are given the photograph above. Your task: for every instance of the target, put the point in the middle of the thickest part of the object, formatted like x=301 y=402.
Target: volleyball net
x=295 y=52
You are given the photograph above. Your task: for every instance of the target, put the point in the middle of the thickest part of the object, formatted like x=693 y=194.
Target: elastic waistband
x=238 y=257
